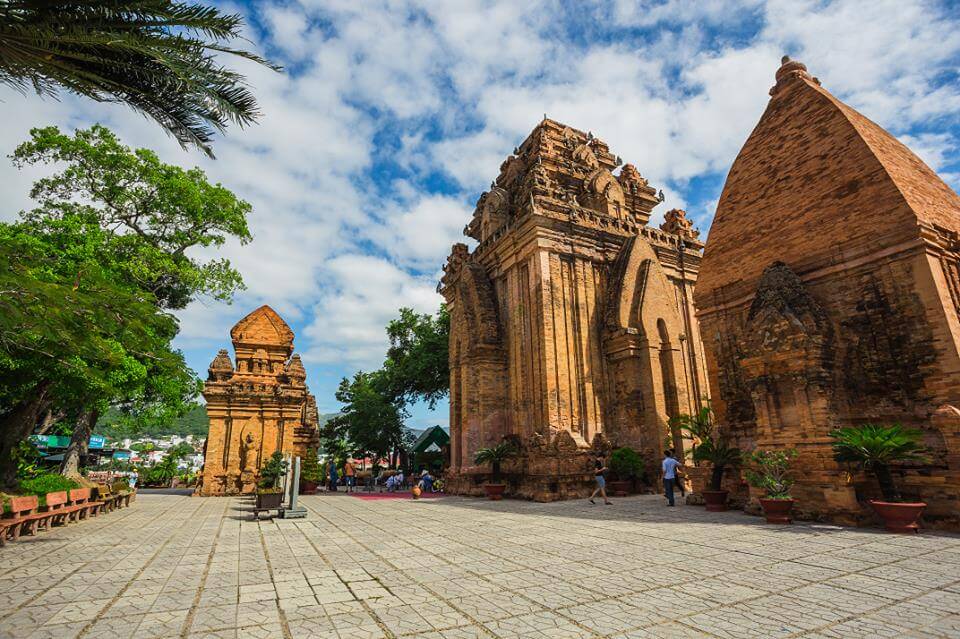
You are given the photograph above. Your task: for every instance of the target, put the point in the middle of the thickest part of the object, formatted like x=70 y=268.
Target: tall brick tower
x=829 y=295
x=571 y=321
x=261 y=406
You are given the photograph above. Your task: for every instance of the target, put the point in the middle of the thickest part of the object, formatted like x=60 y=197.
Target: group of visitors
x=393 y=481
x=671 y=471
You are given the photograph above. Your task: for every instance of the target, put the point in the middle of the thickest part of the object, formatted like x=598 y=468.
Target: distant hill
x=195 y=422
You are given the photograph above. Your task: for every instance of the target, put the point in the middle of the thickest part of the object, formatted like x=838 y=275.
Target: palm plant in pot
x=875 y=448
x=627 y=465
x=709 y=446
x=495 y=456
x=771 y=473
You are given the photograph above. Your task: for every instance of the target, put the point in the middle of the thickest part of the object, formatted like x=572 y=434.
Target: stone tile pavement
x=175 y=566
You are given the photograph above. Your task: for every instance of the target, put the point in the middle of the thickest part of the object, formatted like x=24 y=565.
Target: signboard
x=97 y=442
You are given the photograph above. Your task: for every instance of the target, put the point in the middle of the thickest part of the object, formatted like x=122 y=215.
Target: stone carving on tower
x=257 y=407
x=571 y=322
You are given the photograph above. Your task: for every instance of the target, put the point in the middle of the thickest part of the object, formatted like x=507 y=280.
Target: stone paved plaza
x=451 y=568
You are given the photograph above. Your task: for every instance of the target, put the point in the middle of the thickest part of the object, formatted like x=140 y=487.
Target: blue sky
x=392 y=117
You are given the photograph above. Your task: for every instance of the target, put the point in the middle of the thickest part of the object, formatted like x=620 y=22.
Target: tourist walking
x=669 y=467
x=351 y=474
x=599 y=469
x=332 y=470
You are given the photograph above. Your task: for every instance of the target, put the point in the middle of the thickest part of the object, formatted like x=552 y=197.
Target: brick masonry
x=829 y=297
x=257 y=407
x=572 y=327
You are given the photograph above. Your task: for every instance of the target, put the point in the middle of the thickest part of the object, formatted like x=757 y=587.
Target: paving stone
x=465 y=568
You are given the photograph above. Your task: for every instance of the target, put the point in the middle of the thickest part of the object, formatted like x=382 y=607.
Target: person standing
x=669 y=467
x=599 y=469
x=332 y=470
x=351 y=474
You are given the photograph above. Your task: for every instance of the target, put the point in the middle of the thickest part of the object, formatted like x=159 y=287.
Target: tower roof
x=262 y=327
x=817 y=182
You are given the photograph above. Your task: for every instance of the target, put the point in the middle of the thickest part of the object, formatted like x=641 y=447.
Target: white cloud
x=351 y=219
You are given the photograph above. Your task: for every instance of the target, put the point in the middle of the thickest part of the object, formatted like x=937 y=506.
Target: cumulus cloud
x=394 y=115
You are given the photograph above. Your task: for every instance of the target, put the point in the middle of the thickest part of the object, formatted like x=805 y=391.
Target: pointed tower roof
x=295 y=370
x=816 y=183
x=262 y=327
x=222 y=361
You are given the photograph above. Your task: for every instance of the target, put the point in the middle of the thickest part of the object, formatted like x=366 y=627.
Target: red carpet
x=398 y=495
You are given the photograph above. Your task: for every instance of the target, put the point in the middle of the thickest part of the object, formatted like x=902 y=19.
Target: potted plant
x=627 y=465
x=875 y=448
x=269 y=494
x=771 y=473
x=710 y=446
x=495 y=456
x=311 y=474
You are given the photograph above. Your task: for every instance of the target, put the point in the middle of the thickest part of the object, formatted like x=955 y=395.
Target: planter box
x=269 y=500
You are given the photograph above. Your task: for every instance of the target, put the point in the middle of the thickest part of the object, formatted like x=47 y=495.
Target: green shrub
x=771 y=472
x=46 y=483
x=310 y=469
x=626 y=464
x=272 y=471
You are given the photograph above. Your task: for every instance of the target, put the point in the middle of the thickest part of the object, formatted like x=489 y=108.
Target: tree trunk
x=79 y=442
x=16 y=426
x=887 y=486
x=496 y=472
x=716 y=478
x=50 y=419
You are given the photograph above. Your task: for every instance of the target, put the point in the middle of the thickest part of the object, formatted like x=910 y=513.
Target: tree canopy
x=92 y=273
x=161 y=57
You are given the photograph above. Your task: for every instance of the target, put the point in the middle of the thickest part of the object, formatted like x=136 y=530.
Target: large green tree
x=75 y=341
x=417 y=365
x=129 y=218
x=161 y=57
x=371 y=419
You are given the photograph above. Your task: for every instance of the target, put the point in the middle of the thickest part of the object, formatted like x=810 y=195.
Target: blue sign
x=97 y=441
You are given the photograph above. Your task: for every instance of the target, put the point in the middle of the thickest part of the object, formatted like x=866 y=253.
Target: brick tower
x=571 y=322
x=256 y=408
x=829 y=295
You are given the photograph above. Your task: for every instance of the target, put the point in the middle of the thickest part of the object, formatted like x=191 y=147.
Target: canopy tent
x=435 y=436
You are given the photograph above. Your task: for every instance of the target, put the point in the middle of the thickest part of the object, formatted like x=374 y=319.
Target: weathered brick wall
x=257 y=407
x=595 y=339
x=862 y=326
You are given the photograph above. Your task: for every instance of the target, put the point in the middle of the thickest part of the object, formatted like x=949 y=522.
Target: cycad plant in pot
x=722 y=455
x=627 y=466
x=771 y=472
x=495 y=456
x=875 y=448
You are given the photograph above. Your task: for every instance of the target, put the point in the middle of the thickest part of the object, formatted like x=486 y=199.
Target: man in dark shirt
x=599 y=469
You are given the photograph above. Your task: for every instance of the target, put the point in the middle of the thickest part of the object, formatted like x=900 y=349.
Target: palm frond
x=160 y=57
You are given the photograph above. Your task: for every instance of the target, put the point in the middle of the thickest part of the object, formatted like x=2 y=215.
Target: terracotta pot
x=495 y=491
x=716 y=500
x=619 y=488
x=777 y=511
x=308 y=487
x=899 y=517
